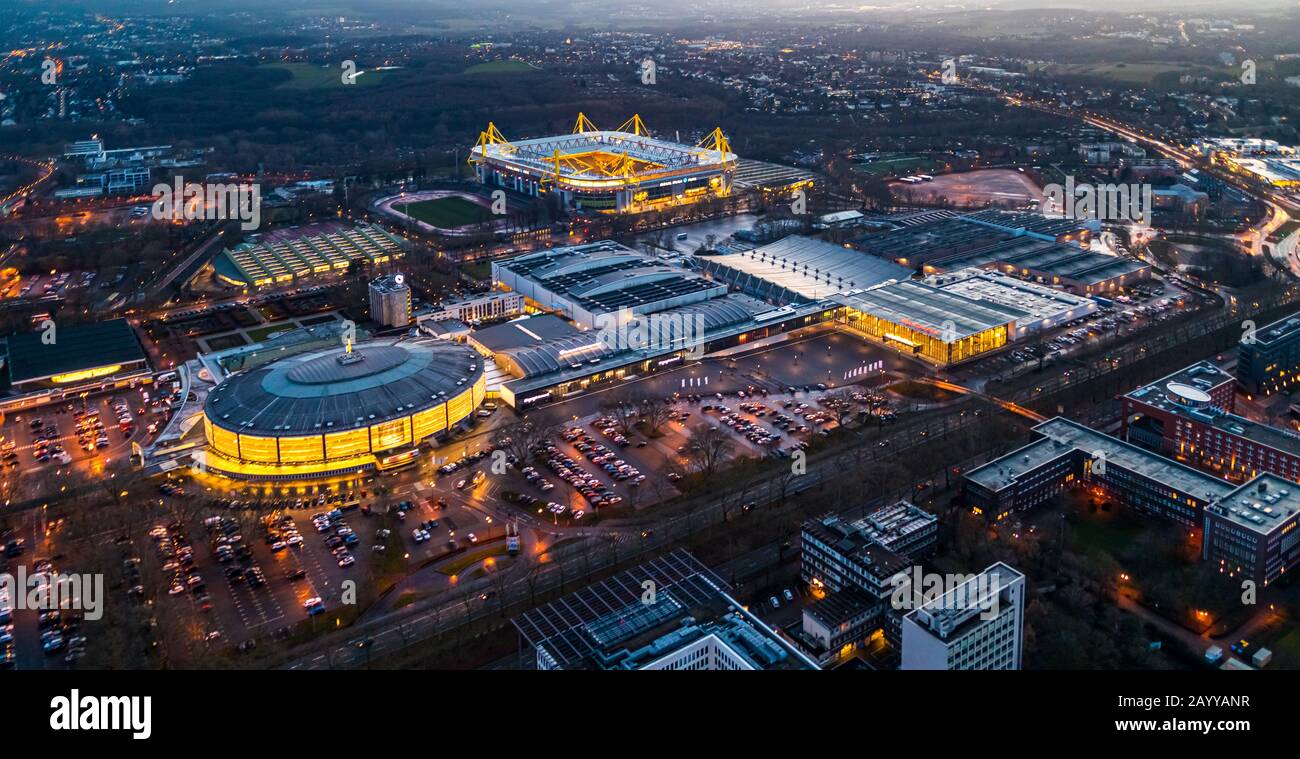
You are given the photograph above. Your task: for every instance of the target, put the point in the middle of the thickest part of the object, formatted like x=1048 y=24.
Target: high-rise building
x=390 y=301
x=977 y=624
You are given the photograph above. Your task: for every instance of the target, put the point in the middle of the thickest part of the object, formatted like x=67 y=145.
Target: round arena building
x=340 y=410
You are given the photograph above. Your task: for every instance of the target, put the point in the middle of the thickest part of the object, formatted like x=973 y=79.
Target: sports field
x=445 y=213
x=1136 y=73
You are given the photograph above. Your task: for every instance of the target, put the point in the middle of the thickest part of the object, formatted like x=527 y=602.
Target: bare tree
x=518 y=439
x=655 y=411
x=708 y=448
x=840 y=403
x=622 y=408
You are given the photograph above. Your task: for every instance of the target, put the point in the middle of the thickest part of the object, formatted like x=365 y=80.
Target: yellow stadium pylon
x=490 y=136
x=634 y=125
x=584 y=124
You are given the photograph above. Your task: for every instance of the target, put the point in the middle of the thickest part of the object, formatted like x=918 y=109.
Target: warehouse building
x=928 y=322
x=585 y=282
x=610 y=314
x=800 y=269
x=67 y=362
x=277 y=261
x=1024 y=245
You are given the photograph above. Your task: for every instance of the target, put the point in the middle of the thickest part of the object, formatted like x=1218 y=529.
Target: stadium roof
x=77 y=347
x=316 y=392
x=807 y=267
x=930 y=309
x=589 y=155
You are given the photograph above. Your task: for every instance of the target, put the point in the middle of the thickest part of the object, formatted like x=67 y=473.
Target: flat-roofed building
x=1045 y=307
x=977 y=625
x=849 y=569
x=586 y=282
x=1027 y=246
x=796 y=269
x=616 y=313
x=927 y=321
x=670 y=613
x=280 y=260
x=479 y=307
x=902 y=527
x=1268 y=358
x=1189 y=415
x=1251 y=533
x=67 y=361
x=1070 y=454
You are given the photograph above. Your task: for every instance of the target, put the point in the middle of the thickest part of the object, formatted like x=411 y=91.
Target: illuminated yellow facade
x=85 y=374
x=305 y=456
x=923 y=342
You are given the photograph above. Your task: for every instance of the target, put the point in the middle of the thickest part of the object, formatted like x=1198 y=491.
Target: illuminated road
x=27 y=189
x=1014 y=408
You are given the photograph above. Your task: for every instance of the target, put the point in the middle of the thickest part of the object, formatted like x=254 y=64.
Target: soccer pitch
x=445 y=213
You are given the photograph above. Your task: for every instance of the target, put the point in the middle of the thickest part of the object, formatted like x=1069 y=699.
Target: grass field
x=446 y=213
x=500 y=67
x=307 y=76
x=1130 y=73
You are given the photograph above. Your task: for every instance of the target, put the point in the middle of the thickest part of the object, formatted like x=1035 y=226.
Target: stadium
x=620 y=171
x=341 y=410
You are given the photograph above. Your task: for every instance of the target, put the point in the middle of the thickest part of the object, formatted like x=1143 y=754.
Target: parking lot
x=81 y=435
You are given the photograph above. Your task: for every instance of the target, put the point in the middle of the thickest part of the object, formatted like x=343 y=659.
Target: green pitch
x=446 y=213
